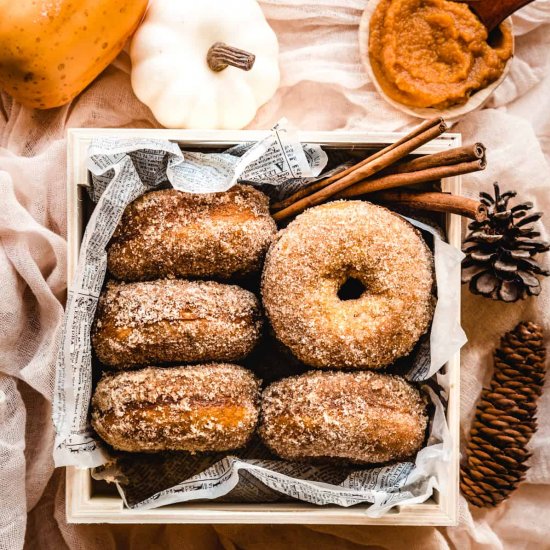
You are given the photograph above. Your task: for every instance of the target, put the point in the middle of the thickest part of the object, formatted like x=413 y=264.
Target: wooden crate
x=86 y=499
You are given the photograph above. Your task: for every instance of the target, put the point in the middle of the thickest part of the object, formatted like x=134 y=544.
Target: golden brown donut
x=174 y=320
x=360 y=417
x=210 y=407
x=359 y=248
x=169 y=233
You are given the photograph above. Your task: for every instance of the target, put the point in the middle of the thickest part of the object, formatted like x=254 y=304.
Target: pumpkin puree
x=434 y=53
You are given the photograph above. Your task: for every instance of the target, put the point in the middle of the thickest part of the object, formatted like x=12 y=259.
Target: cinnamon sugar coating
x=212 y=407
x=360 y=417
x=316 y=254
x=173 y=320
x=169 y=233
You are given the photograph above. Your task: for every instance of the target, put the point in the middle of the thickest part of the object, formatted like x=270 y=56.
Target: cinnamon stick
x=458 y=155
x=410 y=178
x=366 y=168
x=434 y=201
x=313 y=187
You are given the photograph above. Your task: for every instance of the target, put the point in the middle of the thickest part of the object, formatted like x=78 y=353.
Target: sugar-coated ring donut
x=173 y=320
x=211 y=407
x=361 y=417
x=349 y=285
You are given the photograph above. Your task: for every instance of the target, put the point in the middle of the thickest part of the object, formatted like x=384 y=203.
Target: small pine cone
x=500 y=252
x=496 y=454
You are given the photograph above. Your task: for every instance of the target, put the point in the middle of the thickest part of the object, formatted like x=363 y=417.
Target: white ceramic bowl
x=475 y=102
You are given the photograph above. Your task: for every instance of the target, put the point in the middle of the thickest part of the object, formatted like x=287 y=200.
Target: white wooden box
x=87 y=501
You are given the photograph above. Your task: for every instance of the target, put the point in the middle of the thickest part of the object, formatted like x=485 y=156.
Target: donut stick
x=349 y=285
x=360 y=417
x=169 y=233
x=172 y=320
x=211 y=407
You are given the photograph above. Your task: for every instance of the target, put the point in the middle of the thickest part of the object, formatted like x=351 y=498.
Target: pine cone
x=499 y=251
x=496 y=454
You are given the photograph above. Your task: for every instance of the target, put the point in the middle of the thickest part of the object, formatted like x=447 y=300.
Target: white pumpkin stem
x=220 y=56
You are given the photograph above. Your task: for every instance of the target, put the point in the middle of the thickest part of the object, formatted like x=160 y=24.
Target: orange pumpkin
x=50 y=50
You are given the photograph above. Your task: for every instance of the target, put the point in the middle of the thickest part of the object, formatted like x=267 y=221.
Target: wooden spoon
x=493 y=12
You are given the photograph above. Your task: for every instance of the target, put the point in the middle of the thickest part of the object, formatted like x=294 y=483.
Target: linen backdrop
x=324 y=87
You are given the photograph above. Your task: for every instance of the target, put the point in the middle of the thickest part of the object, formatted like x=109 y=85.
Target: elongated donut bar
x=169 y=233
x=173 y=320
x=211 y=407
x=348 y=285
x=361 y=417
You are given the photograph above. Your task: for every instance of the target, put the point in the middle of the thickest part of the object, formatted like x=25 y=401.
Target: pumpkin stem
x=220 y=55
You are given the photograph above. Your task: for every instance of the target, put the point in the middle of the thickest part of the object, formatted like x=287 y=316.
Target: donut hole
x=351 y=289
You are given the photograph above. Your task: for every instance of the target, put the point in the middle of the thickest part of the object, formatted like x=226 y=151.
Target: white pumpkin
x=171 y=73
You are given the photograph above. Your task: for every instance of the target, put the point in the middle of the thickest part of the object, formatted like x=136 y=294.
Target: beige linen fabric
x=323 y=87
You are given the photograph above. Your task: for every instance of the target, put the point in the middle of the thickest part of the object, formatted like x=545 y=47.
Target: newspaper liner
x=122 y=170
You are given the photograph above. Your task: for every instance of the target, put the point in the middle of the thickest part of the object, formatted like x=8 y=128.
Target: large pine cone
x=497 y=453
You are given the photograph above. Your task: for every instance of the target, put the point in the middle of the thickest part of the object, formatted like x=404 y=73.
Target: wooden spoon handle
x=493 y=12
